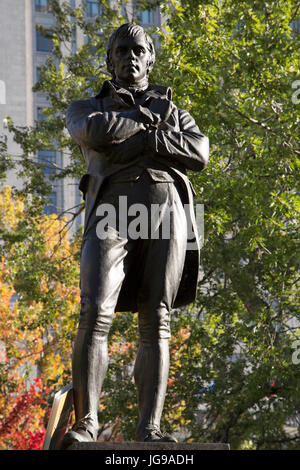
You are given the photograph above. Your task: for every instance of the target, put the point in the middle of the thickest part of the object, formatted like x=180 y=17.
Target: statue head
x=130 y=54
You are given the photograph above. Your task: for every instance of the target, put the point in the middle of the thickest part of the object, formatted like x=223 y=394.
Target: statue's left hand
x=161 y=107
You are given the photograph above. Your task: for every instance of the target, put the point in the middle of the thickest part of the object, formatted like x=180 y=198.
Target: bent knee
x=95 y=320
x=154 y=325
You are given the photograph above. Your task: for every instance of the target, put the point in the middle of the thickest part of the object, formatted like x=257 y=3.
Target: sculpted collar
x=111 y=88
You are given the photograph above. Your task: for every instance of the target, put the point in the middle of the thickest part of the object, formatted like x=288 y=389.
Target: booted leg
x=151 y=377
x=90 y=362
x=151 y=373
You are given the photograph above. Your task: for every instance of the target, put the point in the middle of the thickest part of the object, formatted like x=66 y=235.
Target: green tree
x=39 y=307
x=233 y=65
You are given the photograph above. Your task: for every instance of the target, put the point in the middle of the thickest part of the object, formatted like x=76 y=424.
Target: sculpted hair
x=125 y=31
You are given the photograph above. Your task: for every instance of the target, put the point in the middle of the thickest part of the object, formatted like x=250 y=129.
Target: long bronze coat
x=112 y=120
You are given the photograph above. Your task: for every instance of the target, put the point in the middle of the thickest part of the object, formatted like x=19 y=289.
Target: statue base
x=148 y=446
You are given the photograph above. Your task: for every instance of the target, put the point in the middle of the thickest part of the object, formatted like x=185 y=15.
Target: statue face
x=130 y=58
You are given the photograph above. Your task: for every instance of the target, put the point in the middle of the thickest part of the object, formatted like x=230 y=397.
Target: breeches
x=154 y=261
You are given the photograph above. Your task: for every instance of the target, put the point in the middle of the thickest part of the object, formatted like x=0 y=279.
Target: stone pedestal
x=150 y=447
x=142 y=455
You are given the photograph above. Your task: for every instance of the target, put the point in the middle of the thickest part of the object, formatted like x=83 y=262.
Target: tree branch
x=261 y=124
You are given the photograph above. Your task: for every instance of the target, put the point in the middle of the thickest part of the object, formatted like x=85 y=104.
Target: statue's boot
x=79 y=433
x=151 y=377
x=90 y=361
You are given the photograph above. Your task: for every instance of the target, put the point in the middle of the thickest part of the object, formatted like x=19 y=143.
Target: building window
x=146 y=16
x=51 y=206
x=38 y=74
x=43 y=44
x=73 y=39
x=40 y=115
x=93 y=8
x=47 y=161
x=42 y=6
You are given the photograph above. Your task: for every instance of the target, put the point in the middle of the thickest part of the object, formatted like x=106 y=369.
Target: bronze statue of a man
x=138 y=146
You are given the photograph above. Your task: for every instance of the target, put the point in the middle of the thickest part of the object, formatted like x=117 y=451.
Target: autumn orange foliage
x=39 y=299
